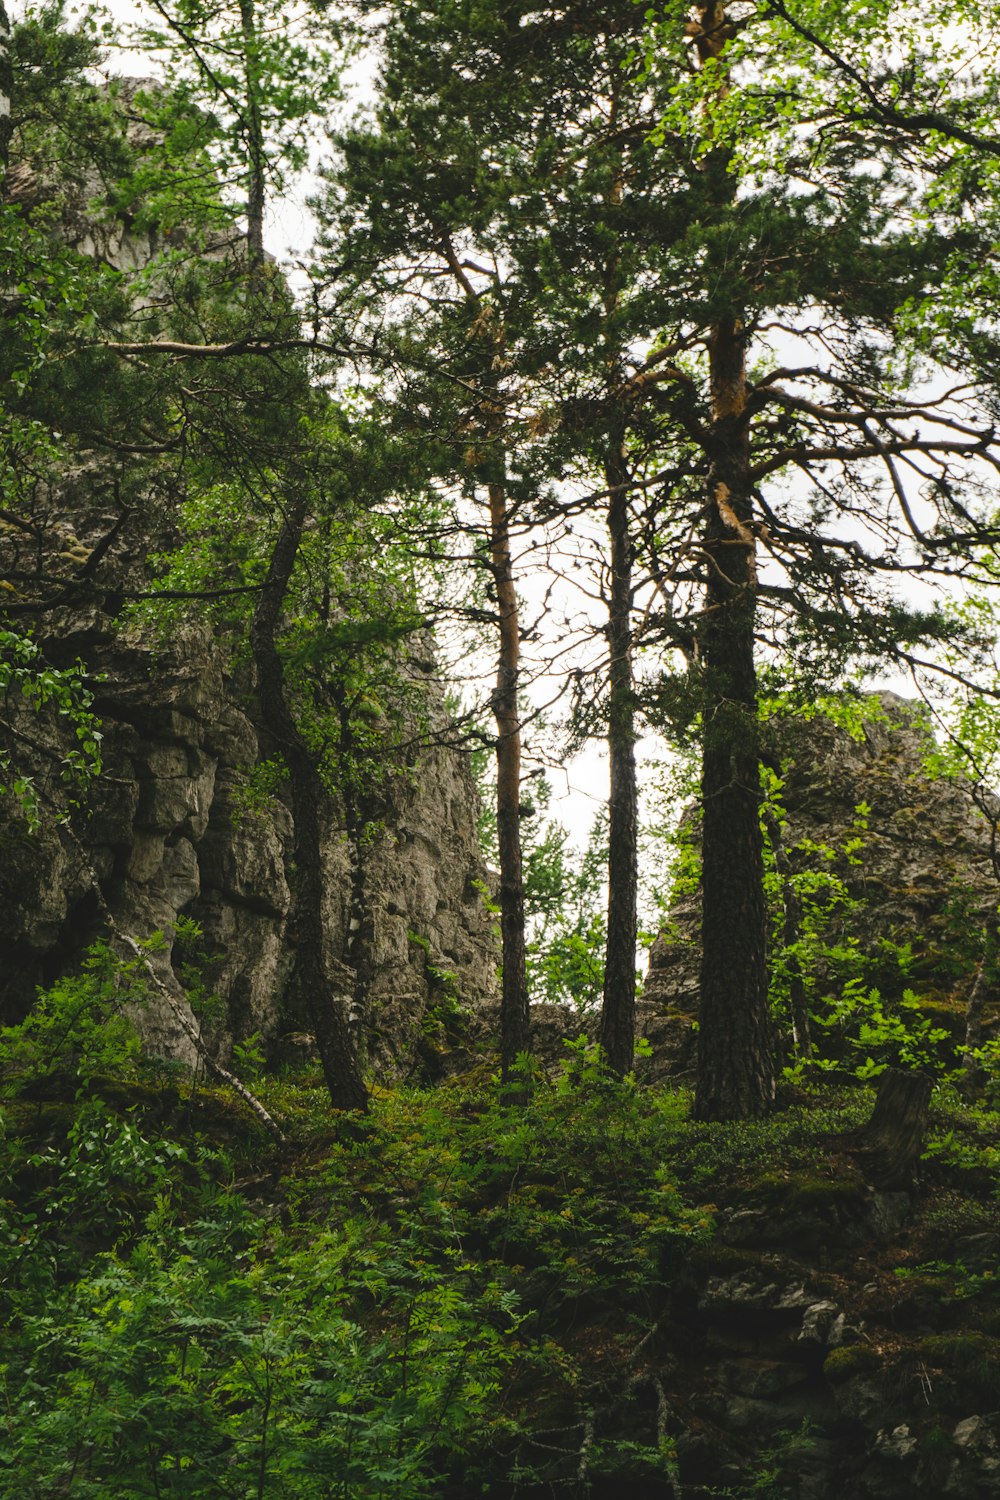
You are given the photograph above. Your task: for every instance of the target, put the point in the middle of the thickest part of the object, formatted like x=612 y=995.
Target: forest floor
x=454 y=1297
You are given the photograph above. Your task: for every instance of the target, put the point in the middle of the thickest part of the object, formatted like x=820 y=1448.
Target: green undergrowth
x=424 y=1303
x=451 y=1297
x=389 y=1307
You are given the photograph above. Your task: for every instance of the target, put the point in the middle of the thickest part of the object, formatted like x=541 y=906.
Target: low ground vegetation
x=449 y=1297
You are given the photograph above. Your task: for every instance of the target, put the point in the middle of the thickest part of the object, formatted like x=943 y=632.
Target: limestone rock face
x=168 y=834
x=165 y=835
x=912 y=851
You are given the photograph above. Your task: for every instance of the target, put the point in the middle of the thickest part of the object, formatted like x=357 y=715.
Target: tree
x=510 y=168
x=254 y=79
x=312 y=976
x=835 y=416
x=718 y=326
x=463 y=323
x=140 y=340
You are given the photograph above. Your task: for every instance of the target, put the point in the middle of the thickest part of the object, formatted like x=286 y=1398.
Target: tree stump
x=890 y=1144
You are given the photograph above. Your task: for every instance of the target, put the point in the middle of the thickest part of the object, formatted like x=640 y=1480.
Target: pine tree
x=462 y=190
x=118 y=371
x=730 y=345
x=820 y=252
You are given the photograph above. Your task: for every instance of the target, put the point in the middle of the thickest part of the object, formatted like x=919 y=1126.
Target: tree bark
x=515 y=1031
x=736 y=1071
x=253 y=125
x=891 y=1143
x=339 y=1061
x=515 y=1025
x=618 y=1018
x=6 y=99
x=618 y=1025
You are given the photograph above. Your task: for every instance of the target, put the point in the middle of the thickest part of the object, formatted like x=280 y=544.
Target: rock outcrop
x=813 y=1359
x=910 y=852
x=171 y=838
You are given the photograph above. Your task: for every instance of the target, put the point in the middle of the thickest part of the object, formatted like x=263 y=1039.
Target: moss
x=961 y=1348
x=936 y=1440
x=715 y=1259
x=803 y=1192
x=850 y=1360
x=971 y=1359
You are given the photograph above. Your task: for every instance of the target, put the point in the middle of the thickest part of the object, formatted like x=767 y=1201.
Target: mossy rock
x=809 y=1192
x=850 y=1360
x=971 y=1359
x=714 y=1258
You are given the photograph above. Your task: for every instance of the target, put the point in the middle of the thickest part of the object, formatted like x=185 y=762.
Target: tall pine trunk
x=312 y=980
x=6 y=98
x=254 y=138
x=736 y=1072
x=514 y=1022
x=618 y=1026
x=515 y=1025
x=618 y=1020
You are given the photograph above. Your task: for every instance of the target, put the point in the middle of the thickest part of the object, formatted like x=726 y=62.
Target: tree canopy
x=692 y=306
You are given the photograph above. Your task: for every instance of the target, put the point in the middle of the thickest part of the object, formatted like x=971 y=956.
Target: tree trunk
x=515 y=1025
x=618 y=1025
x=618 y=1019
x=330 y=1026
x=736 y=1070
x=515 y=1034
x=6 y=99
x=736 y=1073
x=891 y=1143
x=360 y=935
x=253 y=125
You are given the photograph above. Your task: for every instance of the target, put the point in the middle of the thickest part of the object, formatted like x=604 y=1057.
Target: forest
x=629 y=400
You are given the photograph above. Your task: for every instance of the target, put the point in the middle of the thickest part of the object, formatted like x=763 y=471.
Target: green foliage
x=564 y=907
x=235 y=71
x=177 y=1377
x=866 y=1035
x=718 y=1154
x=366 y=1330
x=960 y=1281
x=392 y=1312
x=80 y=1027
x=962 y=1142
x=768 y=1476
x=864 y=1017
x=446 y=1017
x=160 y=1338
x=26 y=680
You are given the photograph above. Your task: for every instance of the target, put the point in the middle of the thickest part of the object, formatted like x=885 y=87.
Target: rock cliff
x=901 y=858
x=170 y=839
x=168 y=835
